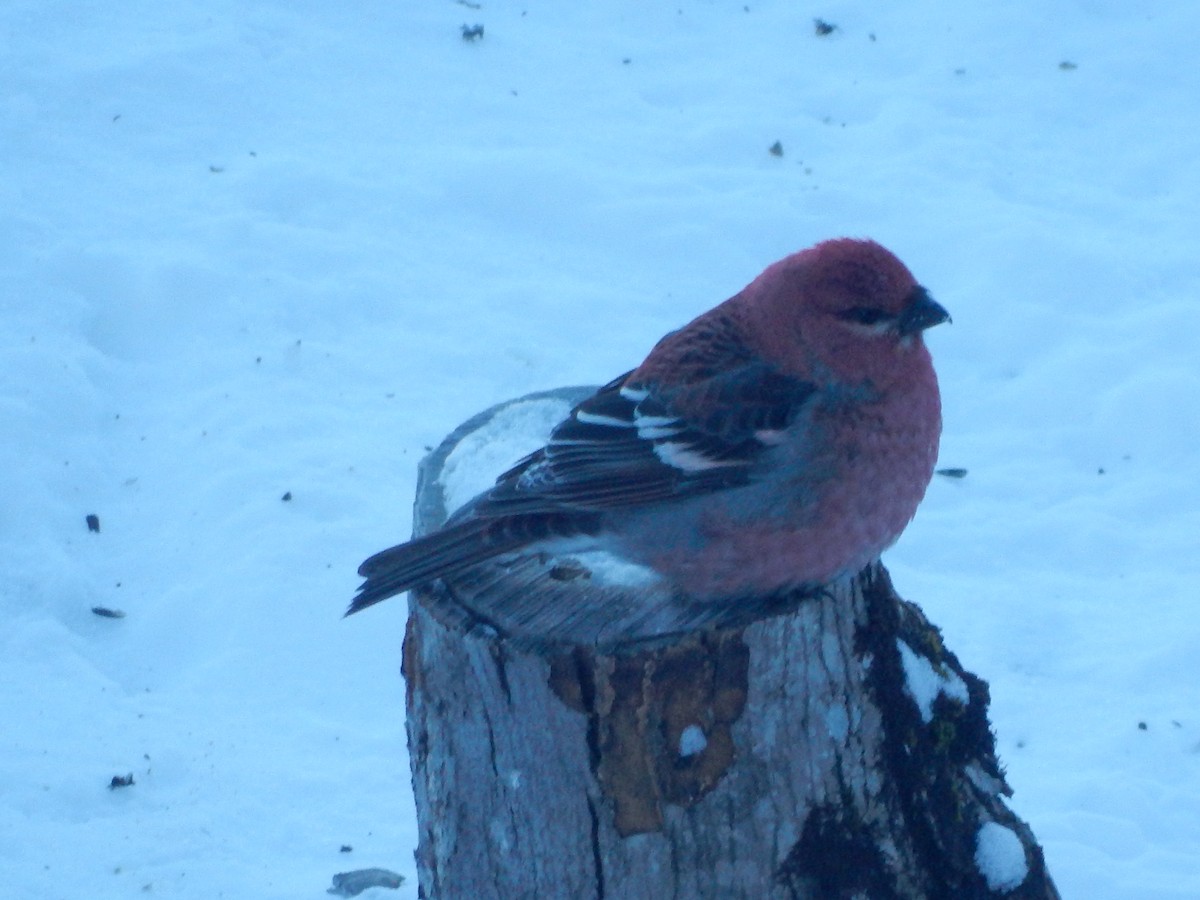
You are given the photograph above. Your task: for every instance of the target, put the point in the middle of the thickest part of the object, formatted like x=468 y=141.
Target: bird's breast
x=827 y=501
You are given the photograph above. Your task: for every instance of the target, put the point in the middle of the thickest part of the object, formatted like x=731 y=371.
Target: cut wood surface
x=827 y=745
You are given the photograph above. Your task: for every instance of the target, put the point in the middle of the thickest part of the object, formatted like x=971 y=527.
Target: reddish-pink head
x=847 y=307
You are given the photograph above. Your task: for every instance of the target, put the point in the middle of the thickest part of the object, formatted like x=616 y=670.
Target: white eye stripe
x=634 y=395
x=874 y=329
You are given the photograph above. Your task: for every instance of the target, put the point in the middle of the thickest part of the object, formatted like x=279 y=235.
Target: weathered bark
x=832 y=747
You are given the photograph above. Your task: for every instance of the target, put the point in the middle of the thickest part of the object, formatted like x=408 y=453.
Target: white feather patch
x=588 y=418
x=652 y=428
x=682 y=456
x=654 y=433
x=654 y=421
x=769 y=436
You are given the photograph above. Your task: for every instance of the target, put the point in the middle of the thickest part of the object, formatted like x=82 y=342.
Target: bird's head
x=849 y=307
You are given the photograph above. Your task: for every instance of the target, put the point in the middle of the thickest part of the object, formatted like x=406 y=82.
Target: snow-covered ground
x=251 y=250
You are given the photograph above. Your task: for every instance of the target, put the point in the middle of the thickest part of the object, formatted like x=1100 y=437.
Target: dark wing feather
x=460 y=546
x=631 y=444
x=640 y=439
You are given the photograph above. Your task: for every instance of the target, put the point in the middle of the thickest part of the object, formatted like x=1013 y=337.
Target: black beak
x=921 y=312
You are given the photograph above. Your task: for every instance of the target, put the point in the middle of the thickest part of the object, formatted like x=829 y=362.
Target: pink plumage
x=781 y=440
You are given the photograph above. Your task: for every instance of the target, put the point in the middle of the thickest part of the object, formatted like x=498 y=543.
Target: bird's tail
x=400 y=568
x=455 y=548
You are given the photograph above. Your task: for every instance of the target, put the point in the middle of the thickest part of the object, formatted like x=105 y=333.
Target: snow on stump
x=575 y=731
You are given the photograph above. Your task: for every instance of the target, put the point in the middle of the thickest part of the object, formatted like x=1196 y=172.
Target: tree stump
x=823 y=746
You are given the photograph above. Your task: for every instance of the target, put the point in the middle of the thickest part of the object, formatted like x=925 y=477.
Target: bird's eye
x=864 y=315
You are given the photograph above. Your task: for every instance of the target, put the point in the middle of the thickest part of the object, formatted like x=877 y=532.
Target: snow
x=1000 y=857
x=609 y=569
x=924 y=683
x=692 y=741
x=483 y=455
x=255 y=248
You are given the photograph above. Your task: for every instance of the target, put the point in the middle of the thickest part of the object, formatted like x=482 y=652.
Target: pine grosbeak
x=781 y=440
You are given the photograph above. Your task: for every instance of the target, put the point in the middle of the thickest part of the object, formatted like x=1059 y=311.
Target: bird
x=780 y=441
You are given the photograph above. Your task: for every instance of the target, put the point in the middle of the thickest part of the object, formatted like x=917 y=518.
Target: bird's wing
x=633 y=443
